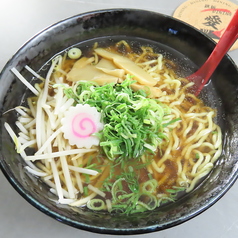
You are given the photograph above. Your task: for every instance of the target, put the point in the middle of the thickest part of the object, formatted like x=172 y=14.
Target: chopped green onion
x=197 y=155
x=149 y=186
x=96 y=204
x=85 y=190
x=164 y=200
x=117 y=189
x=74 y=53
x=150 y=176
x=87 y=178
x=171 y=122
x=174 y=191
x=148 y=201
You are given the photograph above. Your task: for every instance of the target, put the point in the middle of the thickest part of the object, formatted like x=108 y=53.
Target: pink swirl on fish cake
x=83 y=126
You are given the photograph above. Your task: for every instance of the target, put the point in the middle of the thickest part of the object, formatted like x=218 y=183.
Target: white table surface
x=19 y=21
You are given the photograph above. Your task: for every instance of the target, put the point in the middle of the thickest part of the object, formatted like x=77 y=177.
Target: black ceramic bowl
x=178 y=41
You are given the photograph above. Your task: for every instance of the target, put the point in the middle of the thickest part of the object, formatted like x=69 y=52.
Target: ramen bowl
x=179 y=42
